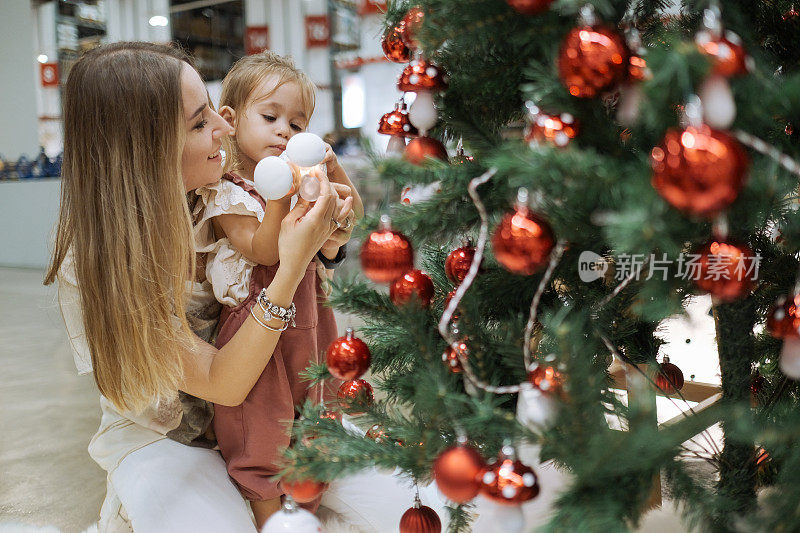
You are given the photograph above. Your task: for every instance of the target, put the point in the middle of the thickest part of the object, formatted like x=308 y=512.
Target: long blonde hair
x=243 y=78
x=125 y=219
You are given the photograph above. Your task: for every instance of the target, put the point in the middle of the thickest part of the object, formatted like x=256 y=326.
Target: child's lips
x=280 y=147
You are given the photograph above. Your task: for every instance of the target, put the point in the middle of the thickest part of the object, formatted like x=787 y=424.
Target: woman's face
x=201 y=161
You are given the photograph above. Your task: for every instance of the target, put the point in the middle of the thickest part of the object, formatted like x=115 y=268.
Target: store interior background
x=337 y=42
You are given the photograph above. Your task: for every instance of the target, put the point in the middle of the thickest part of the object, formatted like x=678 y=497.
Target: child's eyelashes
x=270 y=118
x=295 y=127
x=200 y=125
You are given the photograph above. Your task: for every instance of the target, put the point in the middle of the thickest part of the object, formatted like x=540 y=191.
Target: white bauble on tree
x=630 y=101
x=790 y=358
x=498 y=518
x=396 y=146
x=292 y=519
x=535 y=410
x=305 y=149
x=719 y=108
x=273 y=178
x=422 y=112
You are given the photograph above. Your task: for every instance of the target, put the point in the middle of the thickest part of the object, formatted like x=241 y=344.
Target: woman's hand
x=346 y=218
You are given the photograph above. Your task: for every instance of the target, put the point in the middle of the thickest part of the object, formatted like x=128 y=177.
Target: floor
x=47 y=413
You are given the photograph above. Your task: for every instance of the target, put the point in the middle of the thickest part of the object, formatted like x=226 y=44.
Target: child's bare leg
x=263 y=509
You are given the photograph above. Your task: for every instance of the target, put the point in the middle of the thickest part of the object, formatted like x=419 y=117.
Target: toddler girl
x=267 y=100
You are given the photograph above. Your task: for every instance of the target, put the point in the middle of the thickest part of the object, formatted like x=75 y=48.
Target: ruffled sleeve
x=227 y=269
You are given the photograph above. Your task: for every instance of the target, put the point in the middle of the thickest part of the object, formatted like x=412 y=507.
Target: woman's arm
x=225 y=376
x=258 y=242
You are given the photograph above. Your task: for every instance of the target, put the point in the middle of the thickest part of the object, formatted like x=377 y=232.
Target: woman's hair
x=242 y=80
x=124 y=217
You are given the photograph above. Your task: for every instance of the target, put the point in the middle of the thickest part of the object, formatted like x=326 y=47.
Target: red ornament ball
x=509 y=481
x=327 y=414
x=458 y=262
x=530 y=7
x=420 y=519
x=522 y=242
x=699 y=171
x=457 y=471
x=423 y=147
x=783 y=319
x=303 y=490
x=397 y=123
x=728 y=55
x=450 y=357
x=393 y=46
x=410 y=25
x=354 y=395
x=386 y=255
x=726 y=269
x=348 y=357
x=555 y=130
x=422 y=75
x=669 y=378
x=376 y=433
x=413 y=285
x=592 y=60
x=547 y=379
x=637 y=69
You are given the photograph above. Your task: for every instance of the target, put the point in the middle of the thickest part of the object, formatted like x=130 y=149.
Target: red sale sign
x=371 y=7
x=318 y=31
x=48 y=73
x=256 y=39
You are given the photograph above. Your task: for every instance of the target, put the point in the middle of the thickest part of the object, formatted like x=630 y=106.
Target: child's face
x=268 y=122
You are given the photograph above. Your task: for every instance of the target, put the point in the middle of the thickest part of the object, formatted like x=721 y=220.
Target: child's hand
x=331 y=161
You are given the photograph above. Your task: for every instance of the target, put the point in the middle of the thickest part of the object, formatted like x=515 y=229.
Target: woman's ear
x=229 y=114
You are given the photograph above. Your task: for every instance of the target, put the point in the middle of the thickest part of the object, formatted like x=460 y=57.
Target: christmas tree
x=623 y=156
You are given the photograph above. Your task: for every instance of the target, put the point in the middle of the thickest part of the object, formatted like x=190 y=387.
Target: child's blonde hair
x=242 y=80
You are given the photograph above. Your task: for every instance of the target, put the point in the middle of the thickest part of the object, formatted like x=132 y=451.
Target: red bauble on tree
x=386 y=254
x=699 y=171
x=783 y=319
x=555 y=130
x=413 y=285
x=726 y=269
x=420 y=519
x=393 y=46
x=530 y=7
x=421 y=148
x=348 y=357
x=457 y=472
x=458 y=262
x=354 y=395
x=728 y=55
x=509 y=481
x=410 y=25
x=669 y=378
x=303 y=490
x=396 y=122
x=450 y=357
x=422 y=75
x=376 y=433
x=592 y=60
x=522 y=242
x=547 y=379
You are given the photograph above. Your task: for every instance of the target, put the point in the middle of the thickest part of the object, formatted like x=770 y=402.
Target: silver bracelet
x=276 y=311
x=285 y=324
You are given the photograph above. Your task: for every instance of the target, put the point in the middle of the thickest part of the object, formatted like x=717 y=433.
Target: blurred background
x=336 y=42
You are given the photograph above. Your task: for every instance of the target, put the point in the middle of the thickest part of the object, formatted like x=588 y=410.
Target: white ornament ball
x=790 y=358
x=419 y=193
x=305 y=149
x=396 y=146
x=535 y=410
x=719 y=108
x=497 y=518
x=630 y=101
x=296 y=521
x=273 y=178
x=422 y=112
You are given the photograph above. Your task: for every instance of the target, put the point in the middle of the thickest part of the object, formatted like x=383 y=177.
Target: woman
x=139 y=135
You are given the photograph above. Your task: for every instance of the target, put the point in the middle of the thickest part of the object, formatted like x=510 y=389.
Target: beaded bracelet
x=284 y=328
x=276 y=311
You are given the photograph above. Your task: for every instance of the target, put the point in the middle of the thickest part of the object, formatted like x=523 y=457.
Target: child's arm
x=258 y=242
x=337 y=174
